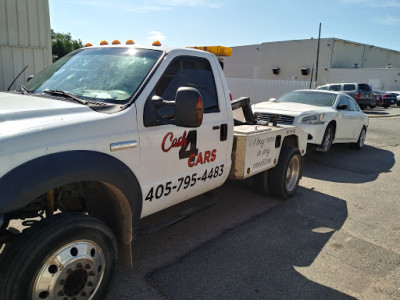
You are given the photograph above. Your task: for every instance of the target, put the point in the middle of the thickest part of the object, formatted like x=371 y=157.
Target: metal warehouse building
x=25 y=39
x=296 y=61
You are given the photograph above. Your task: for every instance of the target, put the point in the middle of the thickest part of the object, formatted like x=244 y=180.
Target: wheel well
x=291 y=140
x=333 y=123
x=101 y=200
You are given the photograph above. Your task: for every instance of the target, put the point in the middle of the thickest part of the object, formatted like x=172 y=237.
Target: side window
x=343 y=101
x=353 y=106
x=323 y=88
x=183 y=71
x=334 y=87
x=349 y=87
x=189 y=72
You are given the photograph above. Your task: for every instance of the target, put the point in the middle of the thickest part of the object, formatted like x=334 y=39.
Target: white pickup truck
x=107 y=136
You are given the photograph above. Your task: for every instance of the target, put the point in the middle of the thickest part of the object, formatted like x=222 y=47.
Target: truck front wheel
x=67 y=256
x=284 y=177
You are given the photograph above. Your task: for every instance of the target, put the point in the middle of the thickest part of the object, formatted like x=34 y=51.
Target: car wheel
x=361 y=139
x=67 y=256
x=284 y=177
x=327 y=140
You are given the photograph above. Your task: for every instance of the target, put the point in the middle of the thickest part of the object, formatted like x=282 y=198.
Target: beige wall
x=336 y=57
x=25 y=39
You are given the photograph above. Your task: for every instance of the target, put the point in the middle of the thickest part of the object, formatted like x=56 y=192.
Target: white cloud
x=388 y=20
x=156 y=36
x=375 y=3
x=210 y=4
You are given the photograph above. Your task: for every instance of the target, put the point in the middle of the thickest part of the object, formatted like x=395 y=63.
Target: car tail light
x=358 y=96
x=384 y=96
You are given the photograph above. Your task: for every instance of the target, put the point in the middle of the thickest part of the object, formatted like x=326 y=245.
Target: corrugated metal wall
x=25 y=39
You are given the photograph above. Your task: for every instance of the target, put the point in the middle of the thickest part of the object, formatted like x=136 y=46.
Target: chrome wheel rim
x=292 y=173
x=327 y=143
x=74 y=271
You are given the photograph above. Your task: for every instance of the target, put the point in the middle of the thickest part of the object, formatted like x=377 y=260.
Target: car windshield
x=310 y=98
x=110 y=75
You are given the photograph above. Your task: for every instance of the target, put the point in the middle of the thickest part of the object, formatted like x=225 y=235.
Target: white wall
x=25 y=39
x=382 y=79
x=259 y=90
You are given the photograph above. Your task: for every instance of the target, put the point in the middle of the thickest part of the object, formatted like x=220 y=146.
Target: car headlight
x=313 y=119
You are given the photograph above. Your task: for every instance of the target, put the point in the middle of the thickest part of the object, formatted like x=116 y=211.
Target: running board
x=210 y=200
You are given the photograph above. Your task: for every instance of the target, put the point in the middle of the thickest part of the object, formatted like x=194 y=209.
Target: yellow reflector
x=116 y=42
x=217 y=50
x=130 y=42
x=102 y=43
x=157 y=43
x=88 y=45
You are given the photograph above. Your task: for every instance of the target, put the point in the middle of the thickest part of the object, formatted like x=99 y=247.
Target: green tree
x=62 y=44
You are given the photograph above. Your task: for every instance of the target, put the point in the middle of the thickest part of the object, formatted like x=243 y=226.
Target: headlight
x=314 y=119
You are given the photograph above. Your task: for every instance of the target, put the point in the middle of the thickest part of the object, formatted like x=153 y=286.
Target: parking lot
x=338 y=237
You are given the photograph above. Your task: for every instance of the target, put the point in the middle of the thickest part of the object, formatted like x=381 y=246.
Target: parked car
x=361 y=92
x=327 y=117
x=385 y=99
x=397 y=93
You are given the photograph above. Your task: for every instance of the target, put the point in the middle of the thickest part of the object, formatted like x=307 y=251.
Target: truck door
x=179 y=163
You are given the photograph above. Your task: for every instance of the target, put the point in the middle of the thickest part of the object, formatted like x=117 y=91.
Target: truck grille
x=263 y=117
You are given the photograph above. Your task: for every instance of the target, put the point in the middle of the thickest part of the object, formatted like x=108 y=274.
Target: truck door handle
x=224 y=132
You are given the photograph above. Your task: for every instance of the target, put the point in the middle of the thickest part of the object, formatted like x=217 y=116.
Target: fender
x=34 y=178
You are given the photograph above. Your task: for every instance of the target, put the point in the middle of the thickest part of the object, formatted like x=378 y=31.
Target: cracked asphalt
x=338 y=237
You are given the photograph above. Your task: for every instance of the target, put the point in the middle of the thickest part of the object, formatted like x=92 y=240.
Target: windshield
x=111 y=75
x=311 y=98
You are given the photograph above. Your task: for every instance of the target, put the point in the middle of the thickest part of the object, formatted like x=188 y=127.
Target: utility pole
x=319 y=40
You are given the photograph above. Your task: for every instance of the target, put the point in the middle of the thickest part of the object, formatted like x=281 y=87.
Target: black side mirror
x=343 y=107
x=189 y=108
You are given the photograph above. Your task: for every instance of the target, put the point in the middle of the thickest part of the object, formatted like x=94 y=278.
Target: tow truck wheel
x=284 y=177
x=67 y=256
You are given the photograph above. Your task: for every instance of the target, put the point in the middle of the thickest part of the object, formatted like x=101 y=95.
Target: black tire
x=261 y=181
x=66 y=256
x=361 y=139
x=284 y=177
x=327 y=140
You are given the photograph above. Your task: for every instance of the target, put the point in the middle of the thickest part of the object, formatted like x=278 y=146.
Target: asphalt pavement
x=338 y=237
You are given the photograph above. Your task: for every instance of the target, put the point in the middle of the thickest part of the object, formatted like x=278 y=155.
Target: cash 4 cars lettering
x=188 y=144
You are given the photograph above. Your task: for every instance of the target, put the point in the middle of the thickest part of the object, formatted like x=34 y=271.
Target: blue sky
x=227 y=22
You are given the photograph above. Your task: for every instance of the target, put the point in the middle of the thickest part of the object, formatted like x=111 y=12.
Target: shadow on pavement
x=358 y=166
x=257 y=260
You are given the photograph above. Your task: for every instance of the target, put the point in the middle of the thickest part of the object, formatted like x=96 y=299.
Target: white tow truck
x=107 y=136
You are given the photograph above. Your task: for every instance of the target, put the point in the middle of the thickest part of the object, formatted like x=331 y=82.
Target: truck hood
x=289 y=108
x=23 y=112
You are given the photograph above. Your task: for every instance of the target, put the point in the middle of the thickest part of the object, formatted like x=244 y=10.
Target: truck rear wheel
x=284 y=177
x=67 y=256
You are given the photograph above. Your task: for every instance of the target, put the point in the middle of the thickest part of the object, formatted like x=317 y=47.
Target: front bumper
x=315 y=133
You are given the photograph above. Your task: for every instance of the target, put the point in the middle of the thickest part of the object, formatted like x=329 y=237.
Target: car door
x=344 y=130
x=179 y=163
x=357 y=118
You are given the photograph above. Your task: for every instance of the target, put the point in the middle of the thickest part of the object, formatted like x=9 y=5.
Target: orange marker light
x=103 y=43
x=248 y=171
x=88 y=45
x=116 y=42
x=130 y=42
x=157 y=43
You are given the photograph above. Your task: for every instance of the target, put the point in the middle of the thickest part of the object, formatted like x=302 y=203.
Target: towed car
x=327 y=117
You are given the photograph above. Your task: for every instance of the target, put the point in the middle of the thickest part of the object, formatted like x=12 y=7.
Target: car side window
x=349 y=87
x=189 y=72
x=343 y=101
x=334 y=87
x=185 y=71
x=353 y=106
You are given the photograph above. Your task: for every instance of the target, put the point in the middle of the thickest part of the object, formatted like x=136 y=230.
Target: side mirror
x=189 y=108
x=30 y=77
x=343 y=107
x=272 y=100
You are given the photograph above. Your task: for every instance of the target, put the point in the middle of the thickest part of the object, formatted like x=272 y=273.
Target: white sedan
x=327 y=117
